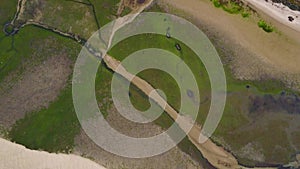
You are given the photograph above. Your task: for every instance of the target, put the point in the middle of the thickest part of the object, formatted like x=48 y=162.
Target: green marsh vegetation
x=265 y=26
x=7 y=11
x=105 y=10
x=232 y=7
x=67 y=16
x=16 y=51
x=79 y=17
x=53 y=128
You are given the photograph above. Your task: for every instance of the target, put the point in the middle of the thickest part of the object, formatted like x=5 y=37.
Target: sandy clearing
x=14 y=156
x=278 y=50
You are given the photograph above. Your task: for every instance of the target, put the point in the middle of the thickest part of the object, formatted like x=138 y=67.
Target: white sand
x=14 y=156
x=278 y=11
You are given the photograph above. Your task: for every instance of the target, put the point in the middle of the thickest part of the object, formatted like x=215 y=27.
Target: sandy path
x=216 y=155
x=20 y=10
x=280 y=50
x=14 y=156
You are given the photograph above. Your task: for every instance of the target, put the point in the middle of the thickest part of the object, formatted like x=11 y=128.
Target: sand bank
x=14 y=156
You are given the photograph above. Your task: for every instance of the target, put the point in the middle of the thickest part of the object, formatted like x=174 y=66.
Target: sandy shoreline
x=14 y=156
x=278 y=11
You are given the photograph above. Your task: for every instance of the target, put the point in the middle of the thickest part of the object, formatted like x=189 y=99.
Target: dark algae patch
x=288 y=103
x=292 y=4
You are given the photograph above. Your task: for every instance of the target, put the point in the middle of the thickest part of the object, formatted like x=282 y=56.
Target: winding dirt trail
x=216 y=155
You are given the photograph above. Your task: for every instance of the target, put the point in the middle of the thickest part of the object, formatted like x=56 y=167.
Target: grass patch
x=166 y=83
x=217 y=3
x=266 y=27
x=245 y=14
x=122 y=50
x=52 y=129
x=26 y=45
x=67 y=16
x=105 y=10
x=102 y=88
x=155 y=8
x=125 y=11
x=7 y=11
x=232 y=8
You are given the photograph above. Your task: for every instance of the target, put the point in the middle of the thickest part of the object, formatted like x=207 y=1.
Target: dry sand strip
x=216 y=155
x=14 y=156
